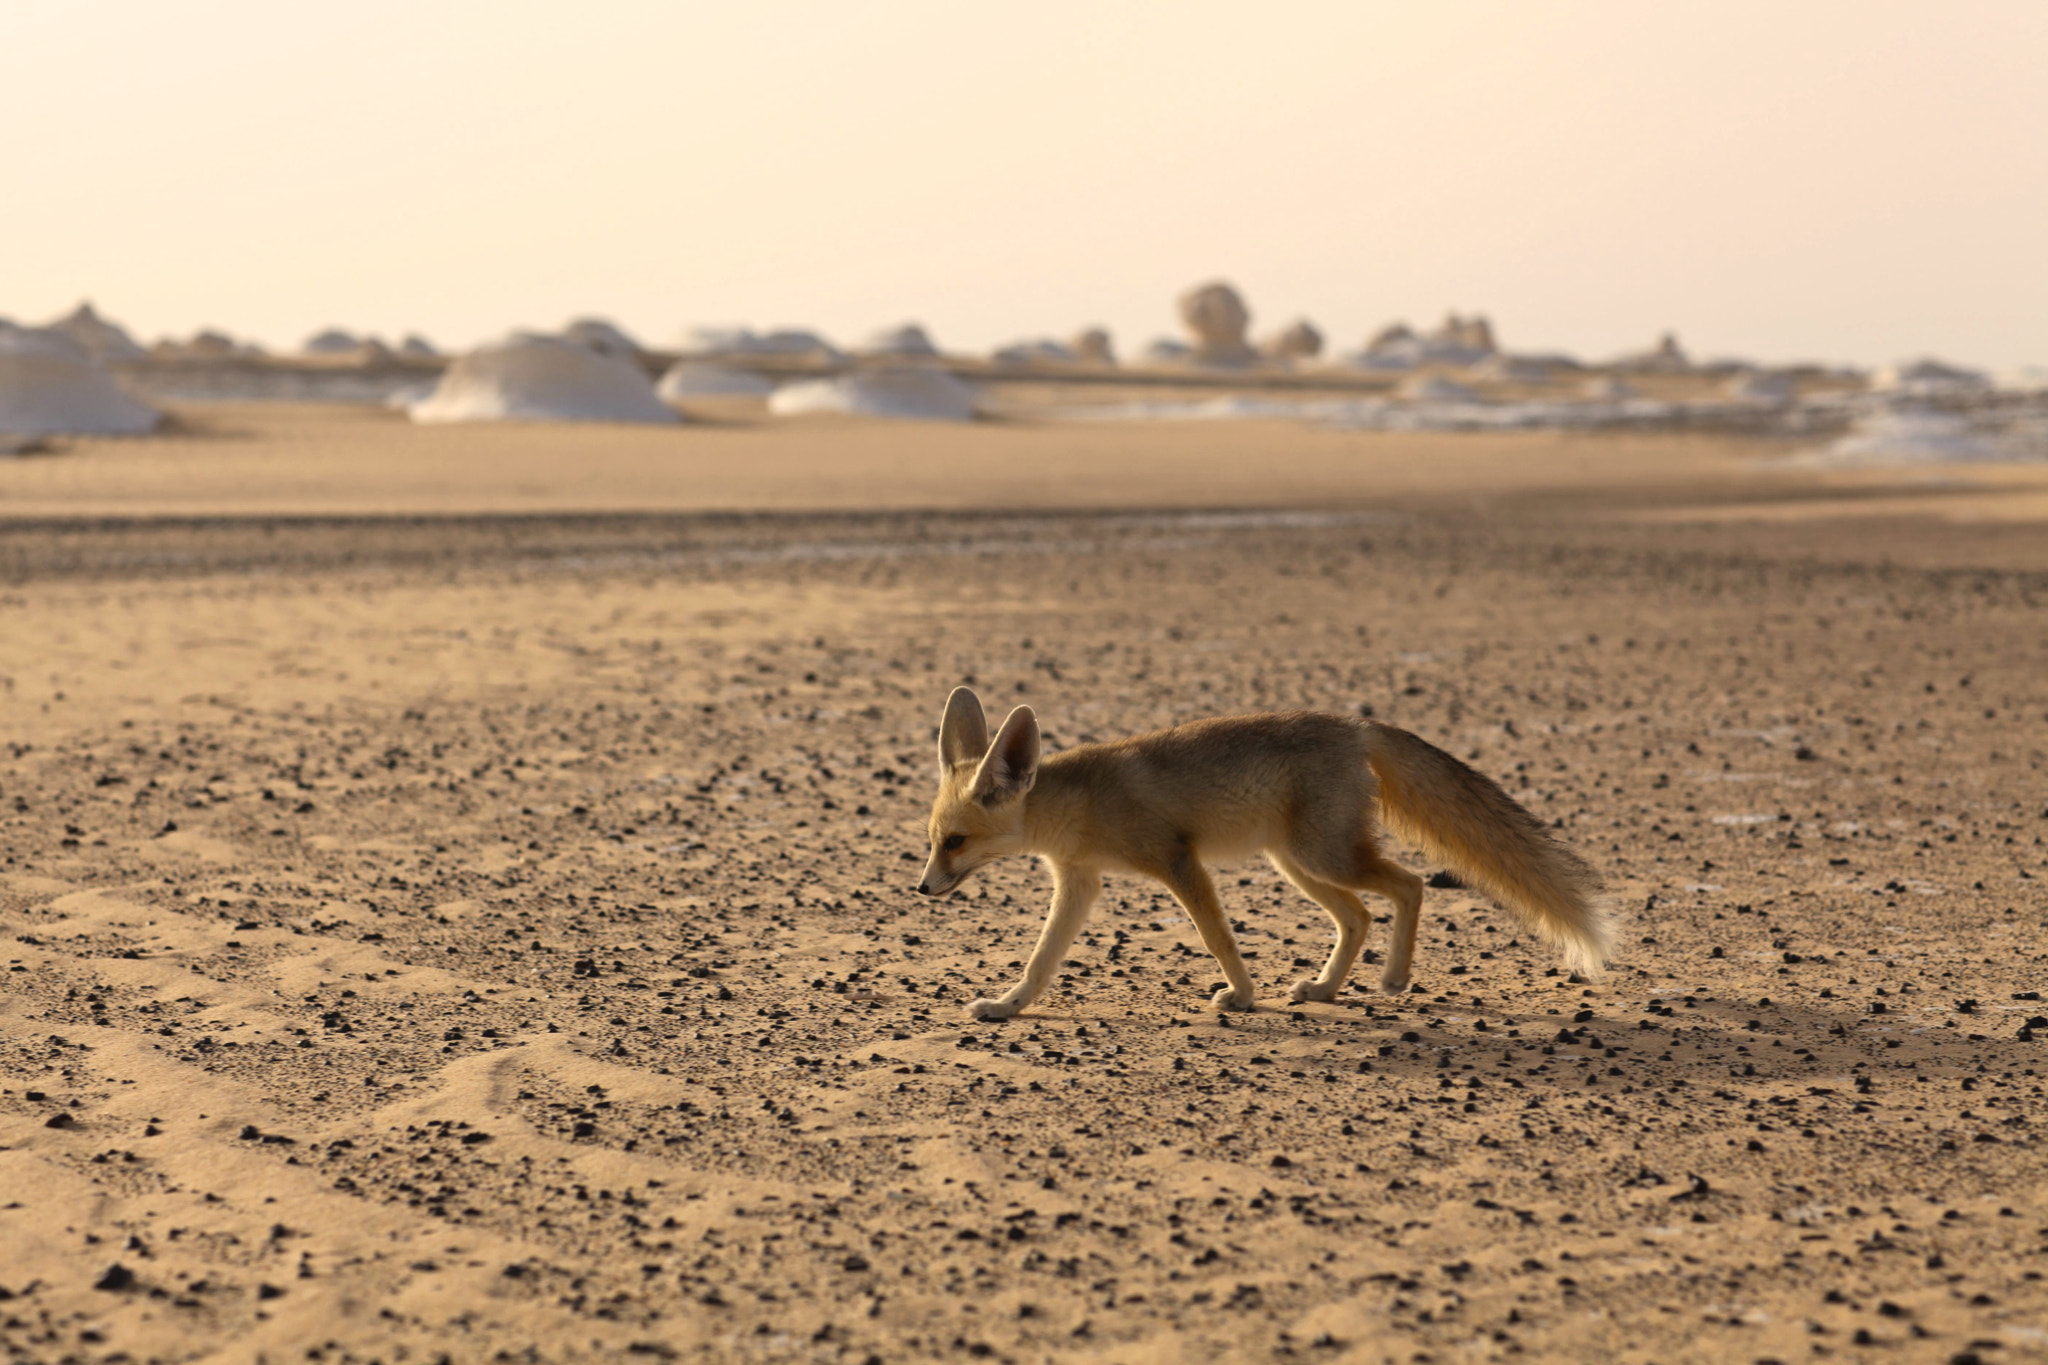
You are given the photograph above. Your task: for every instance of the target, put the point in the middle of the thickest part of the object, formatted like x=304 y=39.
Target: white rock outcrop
x=49 y=386
x=1607 y=388
x=1928 y=376
x=332 y=341
x=1760 y=386
x=1434 y=388
x=542 y=379
x=739 y=342
x=1909 y=436
x=688 y=379
x=907 y=342
x=1666 y=357
x=918 y=393
x=1041 y=350
x=1458 y=341
x=103 y=340
x=603 y=336
x=1502 y=368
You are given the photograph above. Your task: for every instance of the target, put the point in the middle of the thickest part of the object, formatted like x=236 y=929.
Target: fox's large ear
x=1012 y=763
x=963 y=730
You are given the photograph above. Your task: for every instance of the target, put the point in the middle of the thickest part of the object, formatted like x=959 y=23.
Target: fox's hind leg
x=1359 y=867
x=1352 y=922
x=1404 y=889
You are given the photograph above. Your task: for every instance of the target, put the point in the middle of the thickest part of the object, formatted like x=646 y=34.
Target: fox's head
x=979 y=813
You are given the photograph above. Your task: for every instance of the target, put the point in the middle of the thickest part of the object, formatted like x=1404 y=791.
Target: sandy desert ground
x=455 y=896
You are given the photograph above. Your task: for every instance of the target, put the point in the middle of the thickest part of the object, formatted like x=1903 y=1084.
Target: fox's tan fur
x=1307 y=790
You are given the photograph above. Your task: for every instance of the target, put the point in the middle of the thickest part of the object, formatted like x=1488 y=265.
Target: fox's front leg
x=1074 y=890
x=1191 y=886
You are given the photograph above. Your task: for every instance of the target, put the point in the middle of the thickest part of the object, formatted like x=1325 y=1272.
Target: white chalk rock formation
x=402 y=398
x=1761 y=386
x=1041 y=350
x=1473 y=334
x=1434 y=388
x=918 y=393
x=542 y=379
x=1301 y=341
x=332 y=341
x=1910 y=436
x=1607 y=388
x=1216 y=318
x=1458 y=341
x=1928 y=376
x=688 y=379
x=208 y=344
x=104 y=341
x=1167 y=351
x=49 y=386
x=740 y=343
x=1666 y=357
x=1390 y=337
x=1093 y=346
x=908 y=342
x=1503 y=368
x=417 y=347
x=602 y=336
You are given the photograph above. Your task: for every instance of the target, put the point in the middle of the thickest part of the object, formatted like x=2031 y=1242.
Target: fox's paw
x=1227 y=999
x=1310 y=988
x=1390 y=984
x=992 y=1009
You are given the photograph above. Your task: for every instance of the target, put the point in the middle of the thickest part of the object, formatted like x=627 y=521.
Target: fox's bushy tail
x=1464 y=820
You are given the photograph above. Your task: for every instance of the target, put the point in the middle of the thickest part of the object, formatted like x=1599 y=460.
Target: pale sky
x=1851 y=181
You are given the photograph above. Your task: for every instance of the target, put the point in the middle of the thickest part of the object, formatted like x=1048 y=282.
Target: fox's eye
x=953 y=841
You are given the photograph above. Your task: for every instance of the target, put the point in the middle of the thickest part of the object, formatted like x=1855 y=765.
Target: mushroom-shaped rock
x=1216 y=318
x=921 y=393
x=50 y=387
x=542 y=379
x=1301 y=341
x=1093 y=345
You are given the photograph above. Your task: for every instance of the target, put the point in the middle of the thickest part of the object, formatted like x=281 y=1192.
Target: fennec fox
x=1307 y=790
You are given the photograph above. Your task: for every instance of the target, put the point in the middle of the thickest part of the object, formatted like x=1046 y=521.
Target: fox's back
x=1225 y=786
